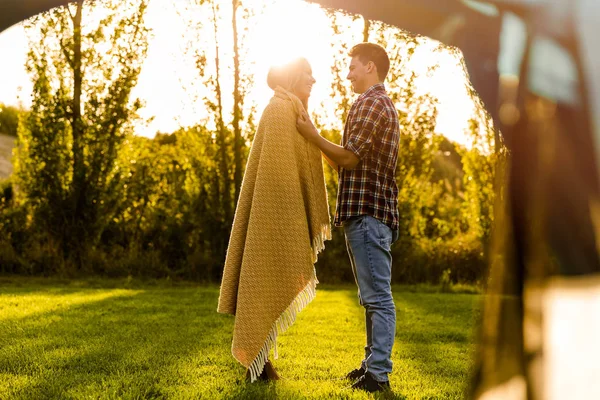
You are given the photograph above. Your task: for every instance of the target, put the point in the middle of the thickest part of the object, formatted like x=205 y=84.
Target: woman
x=280 y=224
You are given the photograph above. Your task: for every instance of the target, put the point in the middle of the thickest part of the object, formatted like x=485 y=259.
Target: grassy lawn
x=117 y=339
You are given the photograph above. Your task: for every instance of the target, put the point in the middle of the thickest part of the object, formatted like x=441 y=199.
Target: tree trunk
x=78 y=185
x=222 y=136
x=78 y=163
x=366 y=30
x=237 y=106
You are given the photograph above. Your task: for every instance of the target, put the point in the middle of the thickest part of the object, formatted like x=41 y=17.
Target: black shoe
x=369 y=384
x=355 y=374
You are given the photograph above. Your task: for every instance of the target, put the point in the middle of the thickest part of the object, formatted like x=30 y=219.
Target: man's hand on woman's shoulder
x=306 y=127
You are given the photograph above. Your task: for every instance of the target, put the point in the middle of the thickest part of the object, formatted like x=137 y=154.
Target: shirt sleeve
x=370 y=115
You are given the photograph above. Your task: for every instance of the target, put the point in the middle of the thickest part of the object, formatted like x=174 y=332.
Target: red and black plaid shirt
x=372 y=133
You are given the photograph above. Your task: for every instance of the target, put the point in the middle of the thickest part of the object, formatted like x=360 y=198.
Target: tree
x=229 y=118
x=9 y=119
x=342 y=26
x=83 y=73
x=480 y=163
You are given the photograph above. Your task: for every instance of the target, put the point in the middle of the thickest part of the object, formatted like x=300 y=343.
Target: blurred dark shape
x=15 y=11
x=535 y=66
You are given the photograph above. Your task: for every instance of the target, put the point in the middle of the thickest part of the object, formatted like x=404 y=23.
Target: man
x=367 y=203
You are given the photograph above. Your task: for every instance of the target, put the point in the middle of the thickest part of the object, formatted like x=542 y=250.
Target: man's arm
x=335 y=153
x=331 y=163
x=332 y=152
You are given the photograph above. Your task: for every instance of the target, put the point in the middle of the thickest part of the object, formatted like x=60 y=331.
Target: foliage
x=9 y=119
x=208 y=21
x=90 y=197
x=66 y=161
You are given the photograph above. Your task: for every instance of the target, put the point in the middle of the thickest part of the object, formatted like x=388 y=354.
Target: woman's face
x=305 y=83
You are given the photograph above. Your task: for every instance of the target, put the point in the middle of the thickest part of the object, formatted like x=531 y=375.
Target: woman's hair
x=287 y=75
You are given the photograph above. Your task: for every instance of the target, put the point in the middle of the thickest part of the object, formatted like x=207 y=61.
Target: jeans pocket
x=385 y=234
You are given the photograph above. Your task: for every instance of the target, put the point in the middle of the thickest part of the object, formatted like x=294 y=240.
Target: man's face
x=357 y=75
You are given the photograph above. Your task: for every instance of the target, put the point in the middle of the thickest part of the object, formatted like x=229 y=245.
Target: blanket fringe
x=287 y=318
x=318 y=242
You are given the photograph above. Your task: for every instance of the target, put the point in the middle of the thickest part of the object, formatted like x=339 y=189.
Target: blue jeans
x=369 y=247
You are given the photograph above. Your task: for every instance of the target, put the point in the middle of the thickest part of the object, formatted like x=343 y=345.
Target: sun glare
x=281 y=31
x=289 y=29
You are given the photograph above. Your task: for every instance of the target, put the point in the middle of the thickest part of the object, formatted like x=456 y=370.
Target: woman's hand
x=306 y=127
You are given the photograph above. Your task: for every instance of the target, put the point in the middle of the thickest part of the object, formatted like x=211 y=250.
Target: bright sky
x=281 y=33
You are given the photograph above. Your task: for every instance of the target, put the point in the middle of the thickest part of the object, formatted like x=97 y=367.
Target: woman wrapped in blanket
x=280 y=225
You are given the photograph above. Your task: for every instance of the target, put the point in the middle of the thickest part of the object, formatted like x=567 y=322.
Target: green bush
x=9 y=119
x=426 y=261
x=333 y=265
x=44 y=257
x=6 y=193
x=10 y=261
x=168 y=223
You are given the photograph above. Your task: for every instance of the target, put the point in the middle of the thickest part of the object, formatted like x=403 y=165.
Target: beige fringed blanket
x=280 y=225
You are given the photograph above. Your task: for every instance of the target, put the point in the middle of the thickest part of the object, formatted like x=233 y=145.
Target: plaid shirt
x=372 y=133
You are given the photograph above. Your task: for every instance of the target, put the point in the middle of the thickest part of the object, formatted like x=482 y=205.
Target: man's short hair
x=372 y=52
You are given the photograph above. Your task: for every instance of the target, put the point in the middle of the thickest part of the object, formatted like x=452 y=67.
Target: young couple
x=282 y=217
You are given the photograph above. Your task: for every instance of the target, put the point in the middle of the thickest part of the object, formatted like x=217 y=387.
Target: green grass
x=115 y=339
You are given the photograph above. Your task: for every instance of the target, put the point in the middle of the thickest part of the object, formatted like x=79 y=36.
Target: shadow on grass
x=434 y=340
x=128 y=344
x=435 y=336
x=314 y=353
x=171 y=343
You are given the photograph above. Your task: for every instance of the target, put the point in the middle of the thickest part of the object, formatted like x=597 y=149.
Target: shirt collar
x=378 y=87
